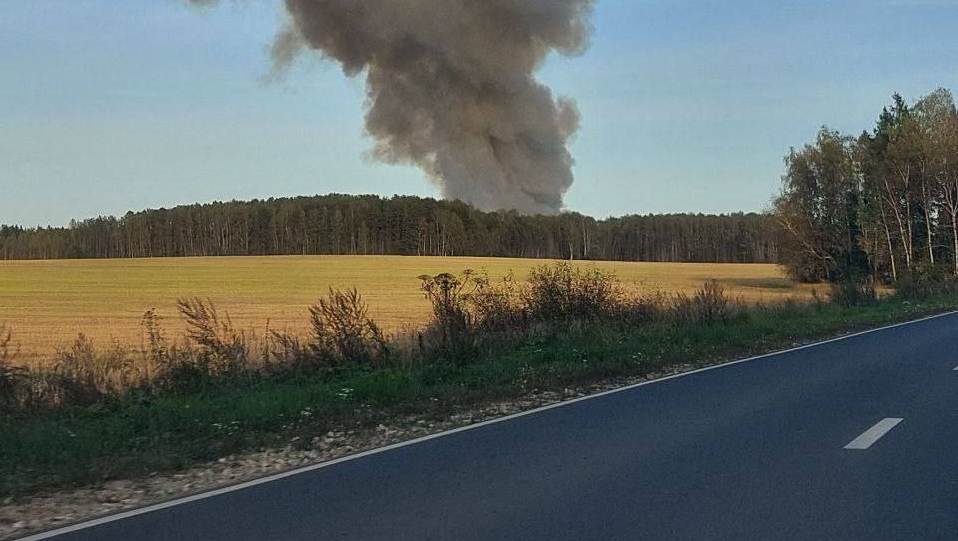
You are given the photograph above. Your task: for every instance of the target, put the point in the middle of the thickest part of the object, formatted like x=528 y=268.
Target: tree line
x=881 y=206
x=401 y=225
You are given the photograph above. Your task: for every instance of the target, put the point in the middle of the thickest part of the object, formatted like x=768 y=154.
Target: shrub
x=73 y=373
x=909 y=288
x=452 y=323
x=496 y=307
x=168 y=366
x=222 y=350
x=83 y=375
x=285 y=350
x=563 y=291
x=12 y=378
x=7 y=349
x=155 y=347
x=922 y=285
x=343 y=332
x=710 y=304
x=853 y=293
x=642 y=309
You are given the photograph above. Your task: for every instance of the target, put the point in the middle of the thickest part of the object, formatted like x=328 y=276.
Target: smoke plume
x=451 y=88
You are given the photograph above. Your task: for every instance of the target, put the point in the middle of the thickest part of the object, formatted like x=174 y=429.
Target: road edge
x=122 y=515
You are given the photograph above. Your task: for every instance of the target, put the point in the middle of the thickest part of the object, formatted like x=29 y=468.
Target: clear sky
x=687 y=105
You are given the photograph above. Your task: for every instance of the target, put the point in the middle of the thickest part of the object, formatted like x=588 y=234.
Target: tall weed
x=710 y=304
x=12 y=377
x=343 y=332
x=221 y=348
x=452 y=325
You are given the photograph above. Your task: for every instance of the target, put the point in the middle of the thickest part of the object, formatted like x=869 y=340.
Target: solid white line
x=256 y=482
x=873 y=434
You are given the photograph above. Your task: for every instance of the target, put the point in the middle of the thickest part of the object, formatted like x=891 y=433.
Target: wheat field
x=47 y=303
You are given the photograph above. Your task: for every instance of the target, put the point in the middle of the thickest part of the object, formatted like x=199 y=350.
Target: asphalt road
x=755 y=450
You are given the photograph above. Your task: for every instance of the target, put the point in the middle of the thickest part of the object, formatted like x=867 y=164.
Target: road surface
x=850 y=439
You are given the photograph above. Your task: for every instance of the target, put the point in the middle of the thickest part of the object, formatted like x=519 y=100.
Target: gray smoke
x=451 y=88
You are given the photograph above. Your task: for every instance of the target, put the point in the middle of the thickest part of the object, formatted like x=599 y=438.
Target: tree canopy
x=351 y=224
x=883 y=205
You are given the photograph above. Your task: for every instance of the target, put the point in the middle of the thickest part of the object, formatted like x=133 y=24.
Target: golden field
x=47 y=303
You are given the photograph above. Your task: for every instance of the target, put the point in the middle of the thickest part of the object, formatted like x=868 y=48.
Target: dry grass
x=47 y=303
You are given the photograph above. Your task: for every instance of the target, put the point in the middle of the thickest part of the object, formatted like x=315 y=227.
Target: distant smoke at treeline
x=371 y=225
x=451 y=88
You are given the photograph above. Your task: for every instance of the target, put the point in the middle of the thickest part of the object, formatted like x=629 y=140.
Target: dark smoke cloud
x=451 y=88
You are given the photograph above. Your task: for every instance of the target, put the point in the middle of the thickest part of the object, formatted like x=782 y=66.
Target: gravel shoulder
x=61 y=508
x=58 y=509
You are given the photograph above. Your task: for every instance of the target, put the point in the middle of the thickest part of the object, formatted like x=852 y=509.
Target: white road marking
x=306 y=469
x=873 y=434
x=955 y=369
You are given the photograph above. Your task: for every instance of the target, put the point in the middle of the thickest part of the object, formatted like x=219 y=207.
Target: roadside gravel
x=58 y=509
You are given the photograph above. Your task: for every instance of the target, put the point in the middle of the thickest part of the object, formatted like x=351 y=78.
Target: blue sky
x=687 y=105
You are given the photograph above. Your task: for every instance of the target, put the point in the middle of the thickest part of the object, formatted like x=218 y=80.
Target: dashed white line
x=276 y=477
x=873 y=434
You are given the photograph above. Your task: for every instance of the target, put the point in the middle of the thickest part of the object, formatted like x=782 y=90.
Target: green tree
x=819 y=209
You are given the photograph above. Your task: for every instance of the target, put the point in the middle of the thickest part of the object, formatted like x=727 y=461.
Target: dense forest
x=349 y=224
x=881 y=206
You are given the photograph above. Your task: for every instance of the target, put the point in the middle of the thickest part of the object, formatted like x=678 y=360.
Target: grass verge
x=140 y=434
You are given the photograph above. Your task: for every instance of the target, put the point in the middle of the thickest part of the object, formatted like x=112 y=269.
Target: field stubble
x=47 y=303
